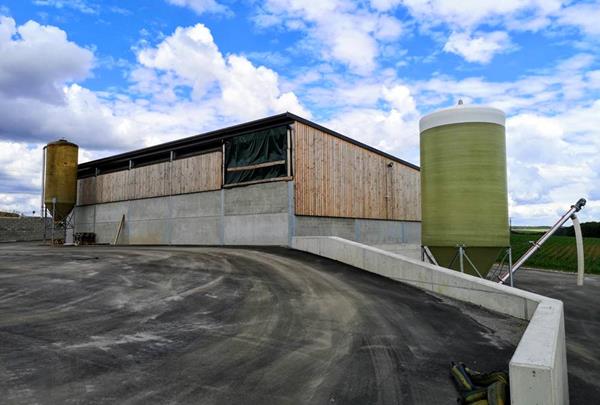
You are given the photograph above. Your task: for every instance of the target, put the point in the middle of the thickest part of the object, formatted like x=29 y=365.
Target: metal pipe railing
x=537 y=244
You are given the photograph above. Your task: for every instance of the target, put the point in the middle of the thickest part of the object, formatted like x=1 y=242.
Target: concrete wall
x=250 y=215
x=369 y=231
x=21 y=229
x=538 y=368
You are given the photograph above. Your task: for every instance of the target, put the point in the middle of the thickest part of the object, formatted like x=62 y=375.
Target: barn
x=257 y=183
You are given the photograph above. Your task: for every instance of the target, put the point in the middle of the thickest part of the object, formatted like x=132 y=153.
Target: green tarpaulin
x=261 y=147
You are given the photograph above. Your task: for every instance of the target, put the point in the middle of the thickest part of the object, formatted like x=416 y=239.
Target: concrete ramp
x=538 y=368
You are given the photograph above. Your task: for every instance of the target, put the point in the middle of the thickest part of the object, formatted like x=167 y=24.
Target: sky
x=114 y=76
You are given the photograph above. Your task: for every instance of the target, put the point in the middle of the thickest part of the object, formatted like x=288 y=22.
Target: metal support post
x=460 y=258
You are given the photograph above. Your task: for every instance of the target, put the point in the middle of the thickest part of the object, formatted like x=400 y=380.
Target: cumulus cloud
x=339 y=30
x=236 y=87
x=37 y=60
x=479 y=47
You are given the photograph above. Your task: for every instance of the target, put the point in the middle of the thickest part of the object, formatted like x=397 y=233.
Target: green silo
x=464 y=197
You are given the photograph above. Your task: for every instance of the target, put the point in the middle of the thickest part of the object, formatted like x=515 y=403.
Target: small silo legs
x=461 y=254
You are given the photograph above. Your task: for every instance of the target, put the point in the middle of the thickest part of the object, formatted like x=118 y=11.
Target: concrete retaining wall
x=538 y=368
x=21 y=229
x=251 y=215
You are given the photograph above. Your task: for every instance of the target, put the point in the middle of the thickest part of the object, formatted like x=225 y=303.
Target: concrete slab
x=136 y=325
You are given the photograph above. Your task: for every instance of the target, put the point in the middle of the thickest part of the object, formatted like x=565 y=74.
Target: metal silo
x=60 y=178
x=464 y=187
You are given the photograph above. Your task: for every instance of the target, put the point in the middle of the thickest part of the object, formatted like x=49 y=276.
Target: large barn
x=258 y=183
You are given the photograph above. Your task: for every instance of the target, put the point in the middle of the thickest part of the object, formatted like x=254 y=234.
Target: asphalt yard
x=135 y=325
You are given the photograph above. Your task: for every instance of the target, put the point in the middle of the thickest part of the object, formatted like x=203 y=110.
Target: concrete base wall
x=261 y=214
x=368 y=231
x=251 y=215
x=538 y=368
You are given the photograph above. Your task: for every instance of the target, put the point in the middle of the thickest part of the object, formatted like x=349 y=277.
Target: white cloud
x=526 y=14
x=237 y=88
x=339 y=30
x=36 y=60
x=479 y=47
x=585 y=16
x=392 y=128
x=202 y=6
x=553 y=162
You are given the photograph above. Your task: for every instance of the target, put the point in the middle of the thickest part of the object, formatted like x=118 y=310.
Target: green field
x=558 y=253
x=530 y=229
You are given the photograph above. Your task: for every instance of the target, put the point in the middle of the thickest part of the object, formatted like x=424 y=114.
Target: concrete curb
x=538 y=368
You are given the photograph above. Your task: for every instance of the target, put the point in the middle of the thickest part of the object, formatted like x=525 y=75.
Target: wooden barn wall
x=189 y=175
x=336 y=178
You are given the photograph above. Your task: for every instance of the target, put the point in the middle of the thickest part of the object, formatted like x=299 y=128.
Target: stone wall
x=21 y=229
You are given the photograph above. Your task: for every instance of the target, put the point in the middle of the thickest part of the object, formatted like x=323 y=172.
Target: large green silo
x=463 y=184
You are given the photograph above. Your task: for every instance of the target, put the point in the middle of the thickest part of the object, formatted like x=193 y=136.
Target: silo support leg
x=471 y=263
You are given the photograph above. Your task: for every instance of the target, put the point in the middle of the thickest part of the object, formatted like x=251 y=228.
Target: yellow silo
x=60 y=180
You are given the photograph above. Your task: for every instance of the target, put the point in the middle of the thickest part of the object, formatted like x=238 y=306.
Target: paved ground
x=227 y=326
x=582 y=325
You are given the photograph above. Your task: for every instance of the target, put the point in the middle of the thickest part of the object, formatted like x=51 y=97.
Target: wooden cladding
x=189 y=175
x=198 y=173
x=336 y=178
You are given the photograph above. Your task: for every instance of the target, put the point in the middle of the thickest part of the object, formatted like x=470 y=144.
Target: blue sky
x=117 y=75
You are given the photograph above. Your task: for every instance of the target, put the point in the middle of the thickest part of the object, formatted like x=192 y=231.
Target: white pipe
x=579 y=242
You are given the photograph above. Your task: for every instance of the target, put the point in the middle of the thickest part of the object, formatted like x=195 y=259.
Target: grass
x=558 y=253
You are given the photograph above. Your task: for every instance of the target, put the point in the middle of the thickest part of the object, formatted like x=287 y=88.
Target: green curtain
x=265 y=146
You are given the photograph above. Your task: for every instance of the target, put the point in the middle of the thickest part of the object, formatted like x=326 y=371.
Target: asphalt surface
x=101 y=325
x=582 y=326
